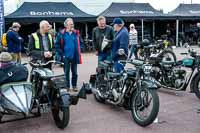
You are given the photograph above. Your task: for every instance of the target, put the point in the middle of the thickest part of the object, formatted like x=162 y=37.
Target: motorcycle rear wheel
x=138 y=104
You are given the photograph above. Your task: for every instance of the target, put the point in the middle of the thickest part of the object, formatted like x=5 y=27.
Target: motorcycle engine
x=116 y=90
x=179 y=77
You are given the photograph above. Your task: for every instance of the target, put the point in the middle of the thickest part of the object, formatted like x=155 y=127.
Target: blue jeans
x=132 y=50
x=70 y=64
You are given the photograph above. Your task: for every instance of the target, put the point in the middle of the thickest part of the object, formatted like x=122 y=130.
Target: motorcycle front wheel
x=145 y=106
x=61 y=115
x=196 y=86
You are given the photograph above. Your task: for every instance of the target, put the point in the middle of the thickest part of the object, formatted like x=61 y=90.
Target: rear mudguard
x=192 y=81
x=149 y=84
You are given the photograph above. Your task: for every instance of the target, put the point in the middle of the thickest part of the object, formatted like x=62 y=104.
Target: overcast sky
x=97 y=6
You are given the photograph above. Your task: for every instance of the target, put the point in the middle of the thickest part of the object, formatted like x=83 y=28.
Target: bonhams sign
x=50 y=13
x=195 y=12
x=136 y=12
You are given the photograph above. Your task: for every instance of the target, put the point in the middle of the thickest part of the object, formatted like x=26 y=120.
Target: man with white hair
x=41 y=43
x=68 y=46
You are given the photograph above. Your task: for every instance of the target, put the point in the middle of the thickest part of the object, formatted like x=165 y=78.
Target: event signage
x=136 y=12
x=2 y=23
x=50 y=13
x=195 y=12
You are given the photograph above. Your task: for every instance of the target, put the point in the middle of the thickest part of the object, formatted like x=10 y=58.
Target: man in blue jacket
x=14 y=42
x=68 y=45
x=120 y=43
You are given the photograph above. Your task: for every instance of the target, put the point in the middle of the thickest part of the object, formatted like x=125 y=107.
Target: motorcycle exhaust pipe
x=96 y=92
x=163 y=86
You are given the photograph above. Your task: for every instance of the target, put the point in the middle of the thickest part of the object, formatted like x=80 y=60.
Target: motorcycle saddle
x=114 y=75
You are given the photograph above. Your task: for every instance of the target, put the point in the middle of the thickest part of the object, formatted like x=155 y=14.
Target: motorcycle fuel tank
x=16 y=97
x=188 y=62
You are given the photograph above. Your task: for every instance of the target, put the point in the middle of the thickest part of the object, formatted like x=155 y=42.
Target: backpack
x=4 y=40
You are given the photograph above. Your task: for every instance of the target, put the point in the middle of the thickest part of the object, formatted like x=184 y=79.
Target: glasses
x=132 y=27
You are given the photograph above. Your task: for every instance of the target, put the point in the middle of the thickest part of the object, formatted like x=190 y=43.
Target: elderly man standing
x=41 y=43
x=102 y=37
x=68 y=45
x=14 y=42
x=120 y=43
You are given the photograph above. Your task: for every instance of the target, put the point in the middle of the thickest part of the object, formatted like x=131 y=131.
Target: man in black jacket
x=41 y=43
x=102 y=37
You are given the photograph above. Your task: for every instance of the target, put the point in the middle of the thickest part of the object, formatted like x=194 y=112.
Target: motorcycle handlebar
x=133 y=62
x=37 y=64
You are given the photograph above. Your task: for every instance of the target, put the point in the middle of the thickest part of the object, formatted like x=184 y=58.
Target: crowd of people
x=111 y=43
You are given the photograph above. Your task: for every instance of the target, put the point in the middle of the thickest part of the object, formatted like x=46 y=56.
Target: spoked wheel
x=60 y=114
x=196 y=86
x=145 y=107
x=168 y=55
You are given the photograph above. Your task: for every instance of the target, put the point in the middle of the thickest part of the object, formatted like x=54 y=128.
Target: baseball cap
x=117 y=21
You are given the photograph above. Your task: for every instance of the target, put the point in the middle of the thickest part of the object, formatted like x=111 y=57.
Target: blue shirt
x=70 y=44
x=120 y=41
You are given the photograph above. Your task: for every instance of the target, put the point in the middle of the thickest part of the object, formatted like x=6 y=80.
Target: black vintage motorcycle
x=130 y=89
x=45 y=92
x=160 y=48
x=172 y=75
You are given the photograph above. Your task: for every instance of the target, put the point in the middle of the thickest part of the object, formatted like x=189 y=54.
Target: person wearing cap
x=41 y=43
x=102 y=37
x=5 y=59
x=133 y=40
x=11 y=71
x=14 y=42
x=120 y=43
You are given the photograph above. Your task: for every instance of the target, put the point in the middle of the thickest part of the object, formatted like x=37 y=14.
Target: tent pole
x=142 y=29
x=54 y=26
x=182 y=26
x=153 y=29
x=177 y=29
x=86 y=31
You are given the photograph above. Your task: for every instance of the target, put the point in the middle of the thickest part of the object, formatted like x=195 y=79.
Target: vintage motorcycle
x=172 y=75
x=128 y=89
x=45 y=92
x=159 y=48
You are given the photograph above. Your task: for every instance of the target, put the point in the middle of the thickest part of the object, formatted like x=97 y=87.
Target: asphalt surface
x=178 y=113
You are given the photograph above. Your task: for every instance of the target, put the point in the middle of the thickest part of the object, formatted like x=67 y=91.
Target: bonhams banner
x=2 y=23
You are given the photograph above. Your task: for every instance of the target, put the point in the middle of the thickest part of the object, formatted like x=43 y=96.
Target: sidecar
x=16 y=98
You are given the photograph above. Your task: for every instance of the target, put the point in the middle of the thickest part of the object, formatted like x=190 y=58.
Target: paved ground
x=177 y=114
